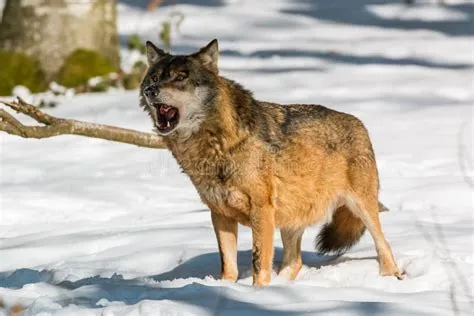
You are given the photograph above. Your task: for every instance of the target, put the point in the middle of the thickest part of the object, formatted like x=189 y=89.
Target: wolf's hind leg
x=226 y=233
x=292 y=262
x=368 y=211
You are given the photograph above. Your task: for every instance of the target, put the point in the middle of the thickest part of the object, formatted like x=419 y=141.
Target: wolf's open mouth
x=167 y=117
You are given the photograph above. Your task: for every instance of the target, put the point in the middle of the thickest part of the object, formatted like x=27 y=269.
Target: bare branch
x=56 y=126
x=32 y=111
x=7 y=121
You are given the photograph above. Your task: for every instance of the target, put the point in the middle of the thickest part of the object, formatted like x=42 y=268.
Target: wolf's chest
x=218 y=176
x=225 y=199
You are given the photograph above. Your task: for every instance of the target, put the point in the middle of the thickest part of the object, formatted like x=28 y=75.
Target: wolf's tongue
x=164 y=109
x=170 y=113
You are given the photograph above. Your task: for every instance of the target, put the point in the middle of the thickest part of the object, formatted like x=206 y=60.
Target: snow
x=89 y=227
x=129 y=58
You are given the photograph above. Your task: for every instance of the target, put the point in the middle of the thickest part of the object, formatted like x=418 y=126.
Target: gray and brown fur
x=267 y=166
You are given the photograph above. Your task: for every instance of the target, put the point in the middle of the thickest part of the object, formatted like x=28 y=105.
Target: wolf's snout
x=151 y=91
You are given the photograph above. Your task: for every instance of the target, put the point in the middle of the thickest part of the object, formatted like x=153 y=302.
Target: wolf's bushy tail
x=343 y=232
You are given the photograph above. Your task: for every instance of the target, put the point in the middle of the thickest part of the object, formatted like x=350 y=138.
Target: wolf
x=265 y=165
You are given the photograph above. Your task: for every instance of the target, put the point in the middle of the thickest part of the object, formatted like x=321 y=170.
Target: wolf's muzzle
x=151 y=91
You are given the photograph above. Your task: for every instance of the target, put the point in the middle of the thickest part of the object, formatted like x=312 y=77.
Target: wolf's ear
x=153 y=53
x=209 y=55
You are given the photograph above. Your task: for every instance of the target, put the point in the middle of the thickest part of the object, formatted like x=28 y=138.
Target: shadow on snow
x=356 y=12
x=213 y=298
x=143 y=3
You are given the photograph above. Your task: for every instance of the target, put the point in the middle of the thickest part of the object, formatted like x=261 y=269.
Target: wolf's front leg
x=226 y=233
x=263 y=226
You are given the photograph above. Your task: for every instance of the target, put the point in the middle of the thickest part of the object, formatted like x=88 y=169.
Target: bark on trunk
x=52 y=29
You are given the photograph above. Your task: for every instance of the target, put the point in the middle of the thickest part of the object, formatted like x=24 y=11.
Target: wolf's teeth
x=168 y=124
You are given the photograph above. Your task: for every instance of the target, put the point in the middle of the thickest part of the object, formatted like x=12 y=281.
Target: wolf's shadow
x=90 y=291
x=209 y=264
x=200 y=266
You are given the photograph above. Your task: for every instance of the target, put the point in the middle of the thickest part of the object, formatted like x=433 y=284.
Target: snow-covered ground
x=89 y=227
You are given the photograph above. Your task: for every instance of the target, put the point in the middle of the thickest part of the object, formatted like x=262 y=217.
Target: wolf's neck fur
x=229 y=123
x=226 y=120
x=231 y=113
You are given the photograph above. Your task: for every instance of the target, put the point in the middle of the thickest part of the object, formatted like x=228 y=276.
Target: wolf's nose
x=151 y=92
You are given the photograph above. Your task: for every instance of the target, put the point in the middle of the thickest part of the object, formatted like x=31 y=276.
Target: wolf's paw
x=231 y=277
x=394 y=271
x=290 y=272
x=262 y=279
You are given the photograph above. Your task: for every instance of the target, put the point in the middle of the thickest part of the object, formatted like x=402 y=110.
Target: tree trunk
x=153 y=4
x=50 y=30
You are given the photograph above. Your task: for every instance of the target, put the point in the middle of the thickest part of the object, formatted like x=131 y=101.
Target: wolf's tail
x=343 y=232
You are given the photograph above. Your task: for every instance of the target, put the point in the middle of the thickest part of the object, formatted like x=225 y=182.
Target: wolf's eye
x=180 y=78
x=180 y=75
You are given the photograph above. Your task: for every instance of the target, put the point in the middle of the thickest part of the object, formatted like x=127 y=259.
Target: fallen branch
x=53 y=126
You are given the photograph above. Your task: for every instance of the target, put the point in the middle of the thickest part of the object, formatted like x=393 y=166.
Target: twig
x=54 y=126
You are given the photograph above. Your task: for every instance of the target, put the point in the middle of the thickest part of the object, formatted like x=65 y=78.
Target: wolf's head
x=177 y=91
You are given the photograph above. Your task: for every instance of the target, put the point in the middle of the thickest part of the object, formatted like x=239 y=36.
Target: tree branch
x=54 y=126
